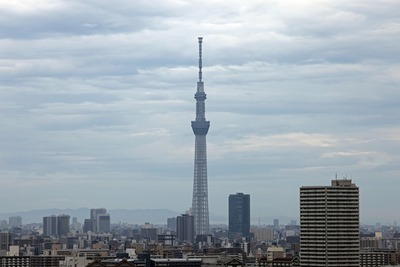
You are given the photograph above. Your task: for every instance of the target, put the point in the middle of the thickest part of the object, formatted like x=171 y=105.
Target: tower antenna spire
x=200 y=61
x=200 y=128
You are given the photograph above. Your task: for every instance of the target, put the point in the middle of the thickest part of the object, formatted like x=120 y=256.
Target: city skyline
x=98 y=102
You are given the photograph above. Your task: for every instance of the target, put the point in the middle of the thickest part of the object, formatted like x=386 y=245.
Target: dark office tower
x=329 y=225
x=185 y=228
x=50 y=225
x=103 y=223
x=87 y=225
x=200 y=188
x=62 y=224
x=239 y=215
x=93 y=216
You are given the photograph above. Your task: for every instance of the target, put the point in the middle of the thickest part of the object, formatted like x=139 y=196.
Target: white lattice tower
x=200 y=129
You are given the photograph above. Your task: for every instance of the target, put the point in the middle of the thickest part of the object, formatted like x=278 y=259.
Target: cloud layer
x=96 y=100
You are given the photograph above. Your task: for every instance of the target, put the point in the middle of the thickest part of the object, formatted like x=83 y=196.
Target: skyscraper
x=200 y=129
x=329 y=225
x=93 y=216
x=103 y=223
x=62 y=224
x=185 y=228
x=50 y=225
x=239 y=215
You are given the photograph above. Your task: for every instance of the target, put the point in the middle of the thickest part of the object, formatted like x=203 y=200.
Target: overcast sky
x=96 y=99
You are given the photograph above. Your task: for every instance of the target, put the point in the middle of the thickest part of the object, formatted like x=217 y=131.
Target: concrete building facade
x=329 y=225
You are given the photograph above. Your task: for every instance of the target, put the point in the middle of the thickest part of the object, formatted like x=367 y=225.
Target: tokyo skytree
x=200 y=188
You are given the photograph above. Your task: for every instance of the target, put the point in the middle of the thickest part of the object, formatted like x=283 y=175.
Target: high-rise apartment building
x=329 y=225
x=200 y=128
x=185 y=228
x=239 y=215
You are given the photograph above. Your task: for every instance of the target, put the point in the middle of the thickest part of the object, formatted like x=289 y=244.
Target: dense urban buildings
x=137 y=245
x=99 y=221
x=239 y=215
x=329 y=223
x=200 y=129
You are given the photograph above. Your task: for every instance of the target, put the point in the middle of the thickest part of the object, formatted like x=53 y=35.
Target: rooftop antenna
x=200 y=62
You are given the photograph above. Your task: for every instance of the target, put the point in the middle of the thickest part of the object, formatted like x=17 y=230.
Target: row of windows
x=330 y=216
x=331 y=239
x=329 y=202
x=335 y=226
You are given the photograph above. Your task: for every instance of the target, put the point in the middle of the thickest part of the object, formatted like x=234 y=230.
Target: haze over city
x=96 y=99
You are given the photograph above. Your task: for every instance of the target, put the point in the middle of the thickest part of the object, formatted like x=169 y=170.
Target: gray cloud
x=96 y=99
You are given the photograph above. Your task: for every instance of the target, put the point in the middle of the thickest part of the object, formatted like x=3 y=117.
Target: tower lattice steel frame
x=200 y=129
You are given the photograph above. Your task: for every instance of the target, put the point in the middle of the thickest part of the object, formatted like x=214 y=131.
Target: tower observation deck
x=200 y=129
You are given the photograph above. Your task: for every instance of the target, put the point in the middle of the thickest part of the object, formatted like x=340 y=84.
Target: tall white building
x=329 y=225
